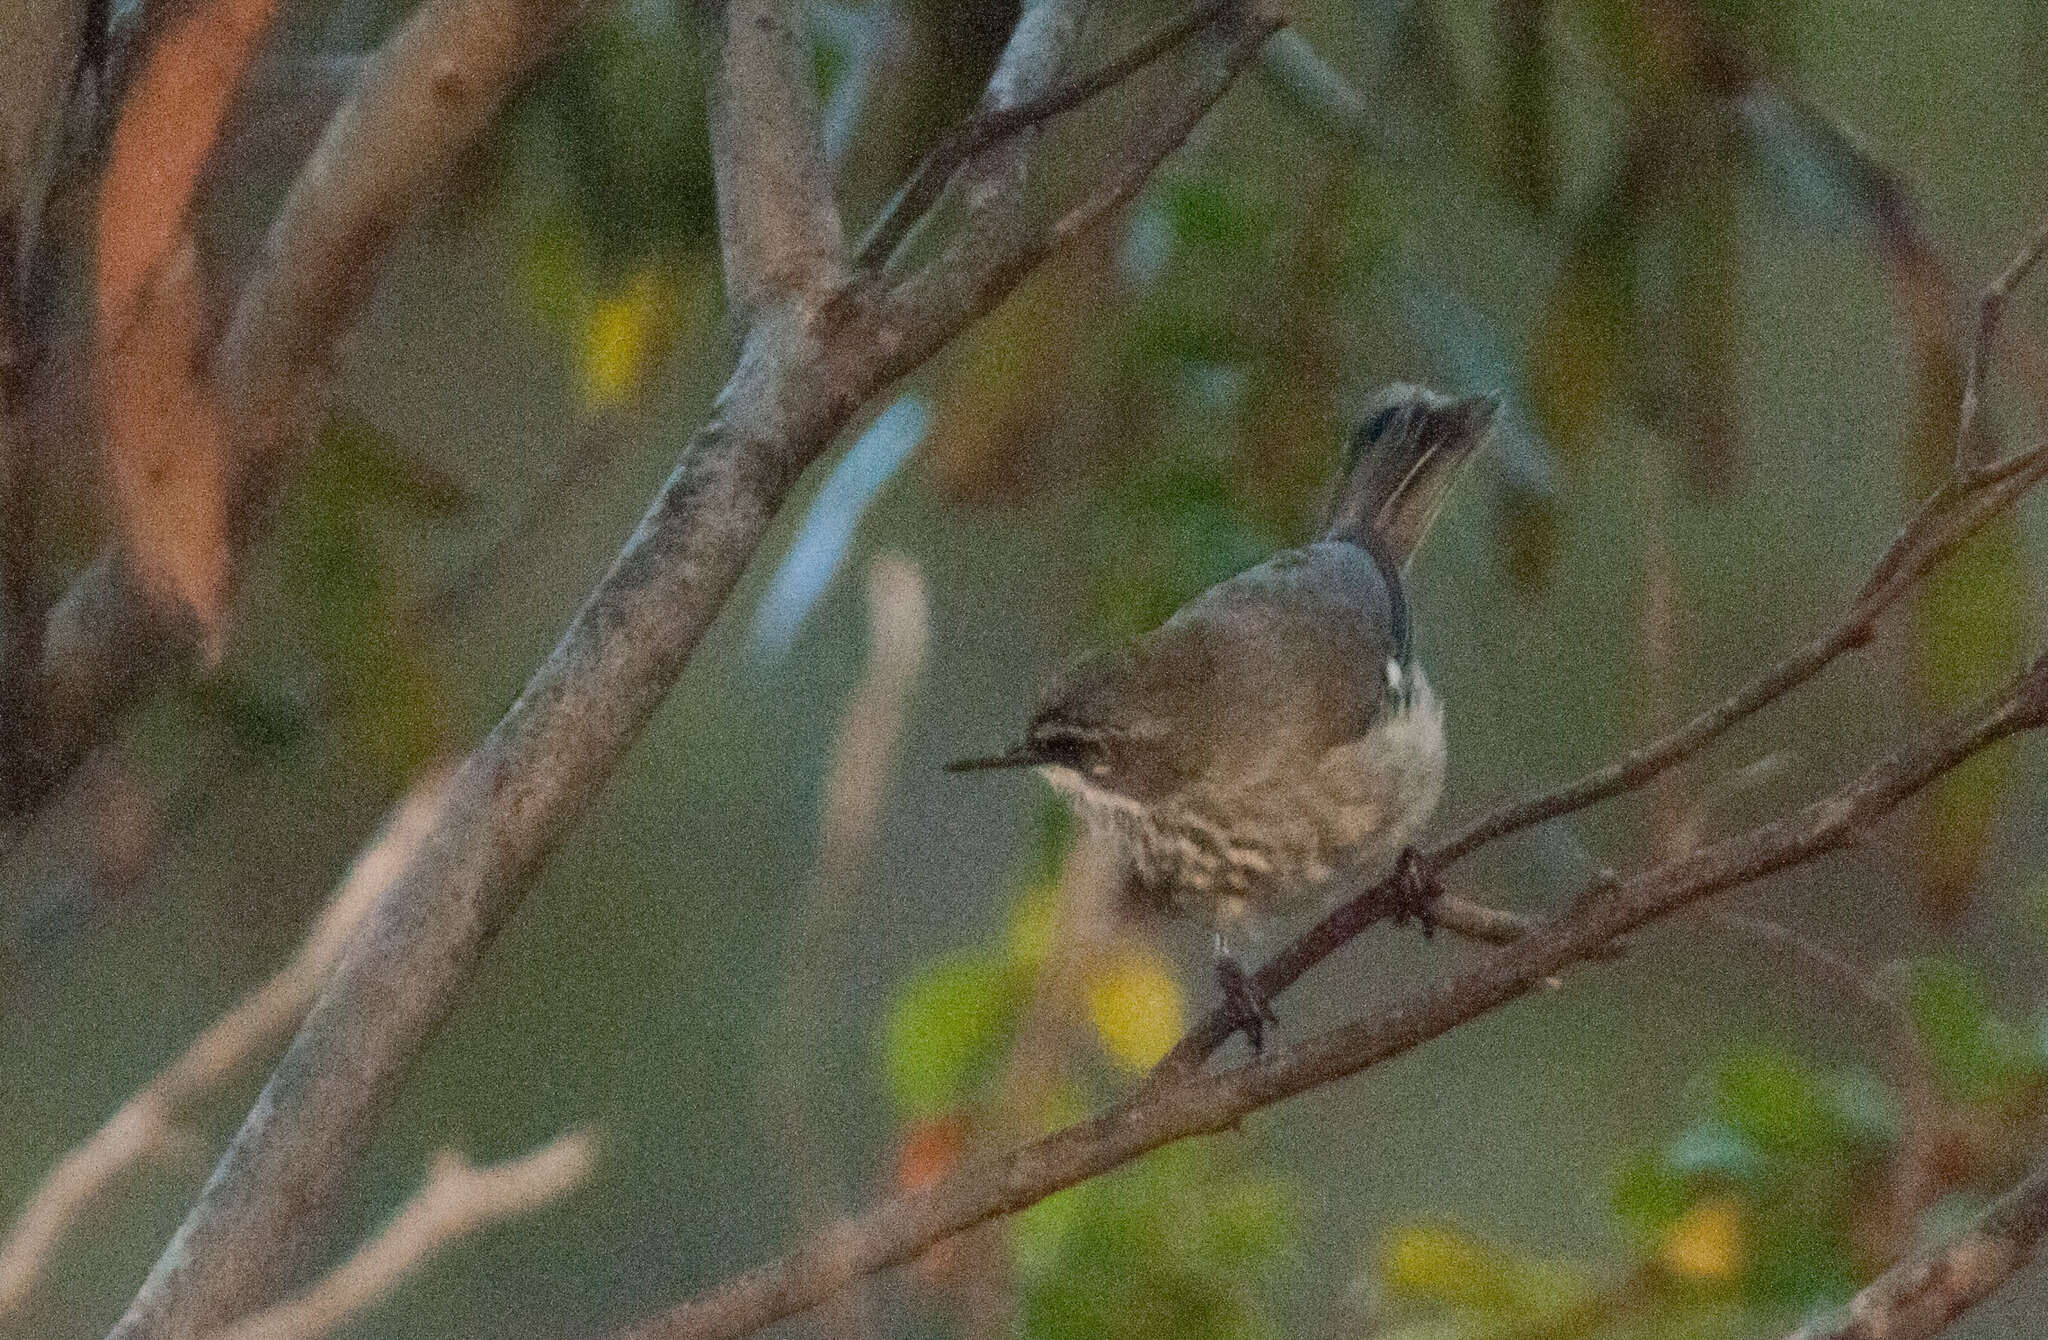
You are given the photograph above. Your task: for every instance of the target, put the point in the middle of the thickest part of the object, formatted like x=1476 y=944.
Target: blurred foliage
x=1019 y=1037
x=354 y=600
x=622 y=115
x=1784 y=1194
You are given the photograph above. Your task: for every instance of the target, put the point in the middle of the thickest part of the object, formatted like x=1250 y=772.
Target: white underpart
x=1286 y=838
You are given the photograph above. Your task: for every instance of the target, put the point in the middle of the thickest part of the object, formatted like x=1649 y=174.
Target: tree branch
x=990 y=125
x=1956 y=512
x=777 y=223
x=803 y=369
x=456 y=1200
x=146 y=1126
x=1201 y=1104
x=1990 y=312
x=1920 y=1296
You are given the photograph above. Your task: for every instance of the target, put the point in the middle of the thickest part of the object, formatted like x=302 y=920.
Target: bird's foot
x=1244 y=1003
x=1415 y=891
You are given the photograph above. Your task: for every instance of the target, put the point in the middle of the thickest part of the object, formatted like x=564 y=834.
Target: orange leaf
x=167 y=460
x=929 y=1150
x=169 y=122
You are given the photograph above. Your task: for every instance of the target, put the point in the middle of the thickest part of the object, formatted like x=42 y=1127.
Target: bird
x=1275 y=740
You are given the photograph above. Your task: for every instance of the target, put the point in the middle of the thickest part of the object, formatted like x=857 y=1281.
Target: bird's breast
x=1221 y=845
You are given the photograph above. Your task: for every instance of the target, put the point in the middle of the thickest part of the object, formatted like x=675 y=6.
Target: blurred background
x=1714 y=254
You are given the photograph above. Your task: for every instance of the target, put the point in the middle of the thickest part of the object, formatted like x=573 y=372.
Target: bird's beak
x=1022 y=756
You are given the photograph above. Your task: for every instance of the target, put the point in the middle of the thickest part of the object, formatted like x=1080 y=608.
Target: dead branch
x=456 y=1200
x=147 y=1126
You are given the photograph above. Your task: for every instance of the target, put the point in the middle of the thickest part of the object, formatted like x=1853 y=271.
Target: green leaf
x=352 y=601
x=1770 y=1098
x=1649 y=1196
x=1969 y=629
x=1251 y=1223
x=1190 y=1244
x=1527 y=524
x=1524 y=135
x=944 y=1030
x=1218 y=215
x=375 y=467
x=1977 y=1055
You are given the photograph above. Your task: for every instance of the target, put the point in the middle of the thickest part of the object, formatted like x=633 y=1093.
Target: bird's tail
x=1401 y=463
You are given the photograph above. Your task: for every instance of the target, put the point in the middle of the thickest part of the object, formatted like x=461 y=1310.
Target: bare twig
x=1198 y=1104
x=803 y=370
x=992 y=124
x=1990 y=311
x=777 y=222
x=1919 y=1297
x=456 y=1200
x=146 y=1126
x=854 y=795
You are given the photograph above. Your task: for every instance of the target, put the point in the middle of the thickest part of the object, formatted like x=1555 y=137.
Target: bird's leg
x=1415 y=891
x=1247 y=1006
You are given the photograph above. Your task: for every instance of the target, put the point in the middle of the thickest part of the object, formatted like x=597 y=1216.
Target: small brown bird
x=1274 y=741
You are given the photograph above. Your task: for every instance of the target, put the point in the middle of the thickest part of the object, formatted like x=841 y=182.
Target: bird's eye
x=1373 y=429
x=1069 y=751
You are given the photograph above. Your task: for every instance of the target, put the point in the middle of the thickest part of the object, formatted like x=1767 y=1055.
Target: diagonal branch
x=1919 y=1297
x=1201 y=1104
x=777 y=223
x=1990 y=312
x=991 y=125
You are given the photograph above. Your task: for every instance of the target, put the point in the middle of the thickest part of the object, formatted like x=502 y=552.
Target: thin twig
x=456 y=1200
x=1990 y=311
x=147 y=1127
x=990 y=126
x=855 y=791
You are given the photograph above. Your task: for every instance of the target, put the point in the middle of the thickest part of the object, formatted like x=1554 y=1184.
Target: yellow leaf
x=1434 y=1262
x=1135 y=1005
x=1706 y=1242
x=626 y=333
